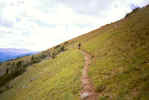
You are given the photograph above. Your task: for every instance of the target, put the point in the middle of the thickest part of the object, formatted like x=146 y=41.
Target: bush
x=134 y=11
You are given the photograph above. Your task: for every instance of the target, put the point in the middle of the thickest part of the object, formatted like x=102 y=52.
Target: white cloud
x=40 y=24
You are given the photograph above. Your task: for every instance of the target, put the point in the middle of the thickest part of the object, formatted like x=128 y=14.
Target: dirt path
x=88 y=91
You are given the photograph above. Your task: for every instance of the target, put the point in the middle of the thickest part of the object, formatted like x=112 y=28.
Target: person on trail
x=7 y=70
x=79 y=45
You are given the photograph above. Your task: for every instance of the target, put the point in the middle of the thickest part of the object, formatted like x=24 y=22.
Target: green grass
x=120 y=68
x=52 y=79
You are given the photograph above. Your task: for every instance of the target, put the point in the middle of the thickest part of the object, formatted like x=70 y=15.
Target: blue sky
x=41 y=24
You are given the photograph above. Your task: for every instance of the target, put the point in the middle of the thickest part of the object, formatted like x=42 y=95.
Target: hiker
x=79 y=45
x=7 y=70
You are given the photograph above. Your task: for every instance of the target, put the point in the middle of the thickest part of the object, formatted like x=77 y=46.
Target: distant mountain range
x=12 y=53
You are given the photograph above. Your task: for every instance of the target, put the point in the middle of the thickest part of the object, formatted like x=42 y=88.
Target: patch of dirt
x=88 y=91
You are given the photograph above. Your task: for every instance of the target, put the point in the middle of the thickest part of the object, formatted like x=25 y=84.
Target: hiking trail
x=88 y=91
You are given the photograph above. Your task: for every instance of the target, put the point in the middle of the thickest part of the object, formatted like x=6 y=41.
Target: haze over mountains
x=12 y=53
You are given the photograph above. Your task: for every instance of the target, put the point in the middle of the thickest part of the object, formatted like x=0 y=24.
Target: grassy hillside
x=11 y=69
x=52 y=79
x=119 y=68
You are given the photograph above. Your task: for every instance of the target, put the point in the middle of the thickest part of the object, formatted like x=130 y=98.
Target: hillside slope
x=51 y=79
x=119 y=66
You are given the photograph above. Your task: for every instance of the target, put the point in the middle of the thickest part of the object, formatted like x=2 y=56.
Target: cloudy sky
x=40 y=24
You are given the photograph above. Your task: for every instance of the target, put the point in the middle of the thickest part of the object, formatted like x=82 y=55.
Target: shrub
x=134 y=11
